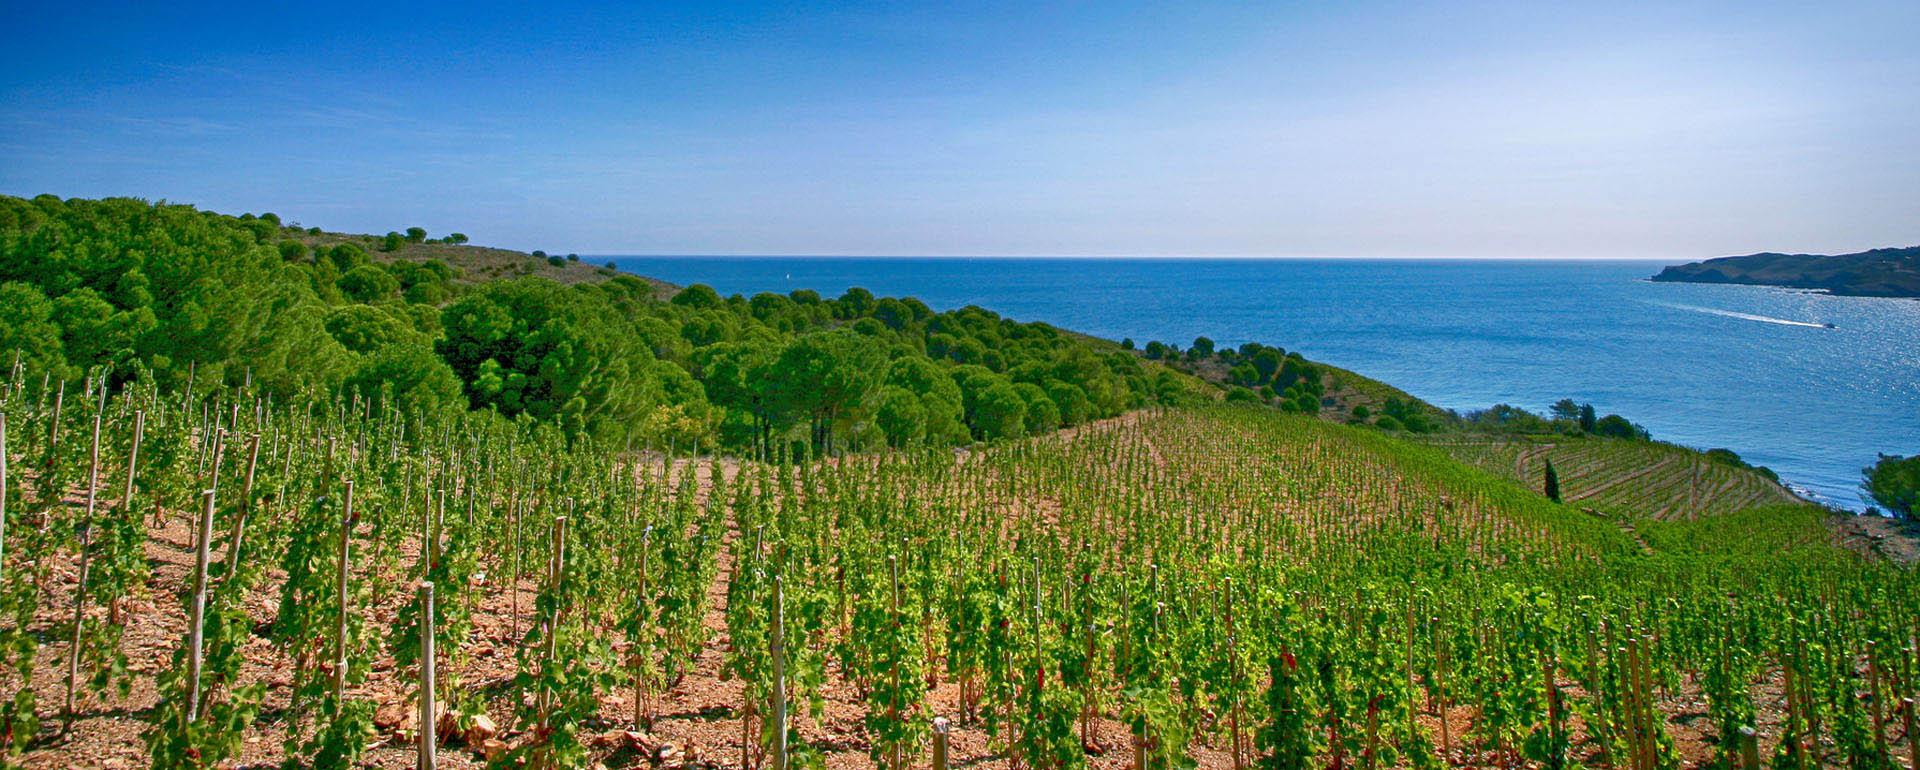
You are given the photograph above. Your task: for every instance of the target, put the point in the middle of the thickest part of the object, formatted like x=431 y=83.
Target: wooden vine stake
x=895 y=760
x=1233 y=674
x=1440 y=685
x=239 y=530
x=1913 y=735
x=86 y=542
x=428 y=739
x=340 y=628
x=126 y=496
x=940 y=728
x=779 y=677
x=3 y=496
x=641 y=706
x=203 y=540
x=1874 y=706
x=556 y=567
x=53 y=429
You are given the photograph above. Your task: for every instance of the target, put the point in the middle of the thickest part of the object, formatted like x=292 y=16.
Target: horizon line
x=1122 y=257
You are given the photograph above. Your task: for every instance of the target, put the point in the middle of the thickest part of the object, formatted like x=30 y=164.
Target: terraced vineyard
x=214 y=580
x=1636 y=479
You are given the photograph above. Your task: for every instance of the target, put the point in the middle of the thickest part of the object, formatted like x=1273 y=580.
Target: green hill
x=419 y=325
x=1890 y=272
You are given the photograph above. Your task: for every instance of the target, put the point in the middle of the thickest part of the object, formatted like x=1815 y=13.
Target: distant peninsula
x=1890 y=272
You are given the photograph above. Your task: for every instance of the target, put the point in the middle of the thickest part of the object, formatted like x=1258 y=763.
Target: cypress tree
x=1553 y=483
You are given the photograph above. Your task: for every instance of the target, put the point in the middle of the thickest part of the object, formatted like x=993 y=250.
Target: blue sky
x=1351 y=129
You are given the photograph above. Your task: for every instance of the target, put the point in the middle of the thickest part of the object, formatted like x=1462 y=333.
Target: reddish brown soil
x=698 y=718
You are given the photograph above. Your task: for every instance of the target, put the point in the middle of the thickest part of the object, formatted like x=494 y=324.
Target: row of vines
x=1220 y=586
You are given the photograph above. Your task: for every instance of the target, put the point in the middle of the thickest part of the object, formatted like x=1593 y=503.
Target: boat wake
x=1745 y=316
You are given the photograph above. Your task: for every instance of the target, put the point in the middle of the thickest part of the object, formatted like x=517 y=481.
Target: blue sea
x=1751 y=369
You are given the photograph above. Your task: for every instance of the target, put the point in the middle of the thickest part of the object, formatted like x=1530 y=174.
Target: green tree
x=735 y=375
x=1042 y=415
x=901 y=416
x=1894 y=483
x=1075 y=408
x=698 y=295
x=346 y=256
x=1266 y=363
x=367 y=283
x=1001 y=412
x=1244 y=375
x=1552 y=482
x=825 y=380
x=939 y=395
x=556 y=353
x=416 y=235
x=1615 y=426
x=27 y=328
x=1565 y=409
x=855 y=303
x=1202 y=348
x=94 y=333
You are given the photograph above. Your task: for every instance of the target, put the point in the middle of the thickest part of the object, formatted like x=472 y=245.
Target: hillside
x=1189 y=562
x=179 y=296
x=478 y=264
x=1889 y=272
x=1621 y=478
x=255 y=478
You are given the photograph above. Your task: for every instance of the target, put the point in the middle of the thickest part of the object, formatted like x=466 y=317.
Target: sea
x=1811 y=385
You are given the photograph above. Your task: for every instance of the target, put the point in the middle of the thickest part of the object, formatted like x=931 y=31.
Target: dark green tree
x=1615 y=426
x=1042 y=415
x=825 y=380
x=1552 y=482
x=1202 y=348
x=901 y=416
x=1001 y=412
x=1565 y=409
x=556 y=353
x=1266 y=363
x=1894 y=483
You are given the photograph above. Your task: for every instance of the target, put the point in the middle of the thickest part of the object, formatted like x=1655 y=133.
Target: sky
x=1527 y=129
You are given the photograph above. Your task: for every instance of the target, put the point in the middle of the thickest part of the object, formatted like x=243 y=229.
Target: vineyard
x=1639 y=479
x=217 y=579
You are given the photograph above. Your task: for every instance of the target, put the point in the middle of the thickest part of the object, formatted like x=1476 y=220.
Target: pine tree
x=1553 y=483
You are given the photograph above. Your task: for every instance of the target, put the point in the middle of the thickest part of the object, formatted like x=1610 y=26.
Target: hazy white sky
x=1376 y=129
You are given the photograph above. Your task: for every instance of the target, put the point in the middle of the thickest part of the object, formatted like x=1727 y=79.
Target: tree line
x=174 y=294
